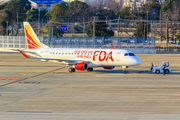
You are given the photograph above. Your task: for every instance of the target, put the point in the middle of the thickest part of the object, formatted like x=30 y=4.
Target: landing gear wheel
x=71 y=70
x=157 y=71
x=90 y=69
x=124 y=71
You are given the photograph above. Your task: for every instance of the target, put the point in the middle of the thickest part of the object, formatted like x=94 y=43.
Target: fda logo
x=63 y=28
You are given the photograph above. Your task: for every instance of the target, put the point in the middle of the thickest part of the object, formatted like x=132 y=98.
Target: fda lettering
x=102 y=55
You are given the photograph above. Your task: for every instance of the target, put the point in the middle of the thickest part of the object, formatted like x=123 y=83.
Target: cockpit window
x=131 y=54
x=126 y=54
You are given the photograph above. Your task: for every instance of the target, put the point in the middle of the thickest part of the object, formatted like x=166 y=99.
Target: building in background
x=145 y=1
x=73 y=0
x=2 y=1
x=132 y=3
x=44 y=4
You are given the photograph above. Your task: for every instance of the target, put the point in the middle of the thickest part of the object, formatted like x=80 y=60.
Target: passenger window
x=126 y=54
x=72 y=53
x=69 y=53
x=53 y=52
x=75 y=53
x=59 y=53
x=50 y=52
x=81 y=53
x=62 y=53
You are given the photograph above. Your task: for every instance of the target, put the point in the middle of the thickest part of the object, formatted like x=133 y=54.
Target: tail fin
x=32 y=40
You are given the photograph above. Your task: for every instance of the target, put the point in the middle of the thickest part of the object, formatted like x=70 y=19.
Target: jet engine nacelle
x=109 y=67
x=81 y=66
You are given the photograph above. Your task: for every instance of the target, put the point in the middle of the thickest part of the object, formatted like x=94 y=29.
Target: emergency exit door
x=118 y=56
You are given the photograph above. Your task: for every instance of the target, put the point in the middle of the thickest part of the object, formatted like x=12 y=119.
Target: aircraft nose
x=138 y=61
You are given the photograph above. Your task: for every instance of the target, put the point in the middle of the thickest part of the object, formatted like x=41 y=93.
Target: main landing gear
x=71 y=70
x=90 y=69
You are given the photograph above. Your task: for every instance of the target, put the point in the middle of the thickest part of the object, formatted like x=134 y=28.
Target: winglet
x=23 y=54
x=114 y=47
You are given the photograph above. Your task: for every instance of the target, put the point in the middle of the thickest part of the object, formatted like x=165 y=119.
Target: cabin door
x=118 y=56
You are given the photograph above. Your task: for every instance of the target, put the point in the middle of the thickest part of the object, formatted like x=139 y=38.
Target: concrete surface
x=102 y=94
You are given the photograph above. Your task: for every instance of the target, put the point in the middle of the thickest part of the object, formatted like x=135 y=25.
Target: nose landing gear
x=124 y=69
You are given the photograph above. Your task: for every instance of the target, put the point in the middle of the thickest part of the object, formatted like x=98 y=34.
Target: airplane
x=77 y=58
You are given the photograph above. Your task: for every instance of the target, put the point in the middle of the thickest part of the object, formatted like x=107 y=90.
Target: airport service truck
x=159 y=69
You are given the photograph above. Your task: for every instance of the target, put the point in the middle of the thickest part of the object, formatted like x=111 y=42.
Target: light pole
x=118 y=31
x=160 y=24
x=38 y=21
x=106 y=19
x=97 y=4
x=7 y=28
x=17 y=22
x=94 y=27
x=83 y=27
x=147 y=23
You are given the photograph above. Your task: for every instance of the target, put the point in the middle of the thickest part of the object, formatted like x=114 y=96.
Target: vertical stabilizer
x=32 y=40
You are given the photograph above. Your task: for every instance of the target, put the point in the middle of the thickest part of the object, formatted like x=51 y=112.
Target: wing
x=34 y=55
x=27 y=54
x=62 y=61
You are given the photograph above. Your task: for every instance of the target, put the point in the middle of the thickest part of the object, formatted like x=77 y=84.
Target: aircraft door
x=118 y=56
x=46 y=54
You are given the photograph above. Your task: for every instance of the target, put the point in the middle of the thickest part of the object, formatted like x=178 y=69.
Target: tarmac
x=30 y=89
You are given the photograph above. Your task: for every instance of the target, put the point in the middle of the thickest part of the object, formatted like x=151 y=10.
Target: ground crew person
x=164 y=68
x=152 y=66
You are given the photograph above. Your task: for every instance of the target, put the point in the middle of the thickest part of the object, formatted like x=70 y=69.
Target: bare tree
x=175 y=11
x=175 y=15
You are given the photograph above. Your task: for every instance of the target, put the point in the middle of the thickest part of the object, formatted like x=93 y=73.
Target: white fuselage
x=95 y=57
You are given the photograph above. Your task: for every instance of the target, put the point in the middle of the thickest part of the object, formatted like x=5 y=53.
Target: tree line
x=169 y=9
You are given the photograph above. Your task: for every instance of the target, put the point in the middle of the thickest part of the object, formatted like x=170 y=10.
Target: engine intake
x=81 y=66
x=109 y=67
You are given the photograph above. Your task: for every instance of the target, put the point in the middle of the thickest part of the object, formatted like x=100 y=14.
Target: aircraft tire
x=90 y=69
x=124 y=72
x=71 y=70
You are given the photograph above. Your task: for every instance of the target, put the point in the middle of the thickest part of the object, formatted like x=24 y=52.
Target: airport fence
x=134 y=44
x=164 y=47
